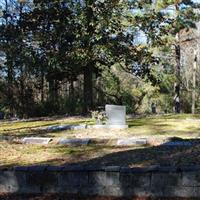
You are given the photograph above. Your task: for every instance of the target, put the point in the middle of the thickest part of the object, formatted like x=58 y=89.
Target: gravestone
x=131 y=141
x=36 y=140
x=116 y=116
x=58 y=128
x=1 y=115
x=78 y=127
x=66 y=127
x=193 y=119
x=73 y=142
x=153 y=108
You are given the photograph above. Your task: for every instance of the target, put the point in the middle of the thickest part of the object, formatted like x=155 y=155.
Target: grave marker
x=36 y=140
x=74 y=142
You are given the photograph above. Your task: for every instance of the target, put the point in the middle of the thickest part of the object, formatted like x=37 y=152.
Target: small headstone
x=131 y=141
x=193 y=119
x=36 y=140
x=153 y=108
x=2 y=115
x=74 y=142
x=66 y=127
x=79 y=127
x=58 y=128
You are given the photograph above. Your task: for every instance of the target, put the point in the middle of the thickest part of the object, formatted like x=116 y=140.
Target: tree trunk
x=10 y=95
x=88 y=89
x=56 y=94
x=194 y=83
x=42 y=86
x=72 y=99
x=24 y=107
x=177 y=106
x=51 y=90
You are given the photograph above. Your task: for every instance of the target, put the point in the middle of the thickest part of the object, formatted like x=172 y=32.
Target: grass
x=183 y=126
x=97 y=155
x=22 y=155
x=168 y=125
x=21 y=128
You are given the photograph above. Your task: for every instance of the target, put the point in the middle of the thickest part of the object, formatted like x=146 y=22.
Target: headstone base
x=107 y=126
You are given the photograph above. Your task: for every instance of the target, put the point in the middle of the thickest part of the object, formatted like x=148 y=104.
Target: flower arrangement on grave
x=99 y=116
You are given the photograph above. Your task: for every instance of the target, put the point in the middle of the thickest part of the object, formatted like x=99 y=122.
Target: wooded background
x=74 y=56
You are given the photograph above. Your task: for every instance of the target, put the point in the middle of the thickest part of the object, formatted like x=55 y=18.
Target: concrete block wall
x=112 y=181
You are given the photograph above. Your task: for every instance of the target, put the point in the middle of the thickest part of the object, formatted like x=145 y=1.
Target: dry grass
x=98 y=155
x=184 y=126
x=171 y=125
x=21 y=128
x=19 y=154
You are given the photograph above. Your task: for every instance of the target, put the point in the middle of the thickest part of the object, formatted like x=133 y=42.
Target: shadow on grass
x=158 y=155
x=99 y=155
x=144 y=156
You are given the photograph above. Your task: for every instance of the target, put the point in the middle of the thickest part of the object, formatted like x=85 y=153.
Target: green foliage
x=123 y=88
x=56 y=51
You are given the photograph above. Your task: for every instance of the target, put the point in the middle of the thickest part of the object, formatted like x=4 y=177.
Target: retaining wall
x=116 y=181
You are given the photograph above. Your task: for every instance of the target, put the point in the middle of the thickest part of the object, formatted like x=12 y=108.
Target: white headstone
x=116 y=115
x=36 y=140
x=131 y=141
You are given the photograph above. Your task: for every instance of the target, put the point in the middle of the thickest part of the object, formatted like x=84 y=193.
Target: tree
x=184 y=19
x=57 y=51
x=9 y=45
x=77 y=37
x=167 y=19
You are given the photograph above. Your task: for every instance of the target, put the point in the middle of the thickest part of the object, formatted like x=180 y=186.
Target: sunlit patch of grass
x=22 y=155
x=184 y=125
x=28 y=128
x=169 y=125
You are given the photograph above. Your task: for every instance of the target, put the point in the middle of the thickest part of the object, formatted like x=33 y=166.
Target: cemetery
x=99 y=99
x=63 y=156
x=73 y=140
